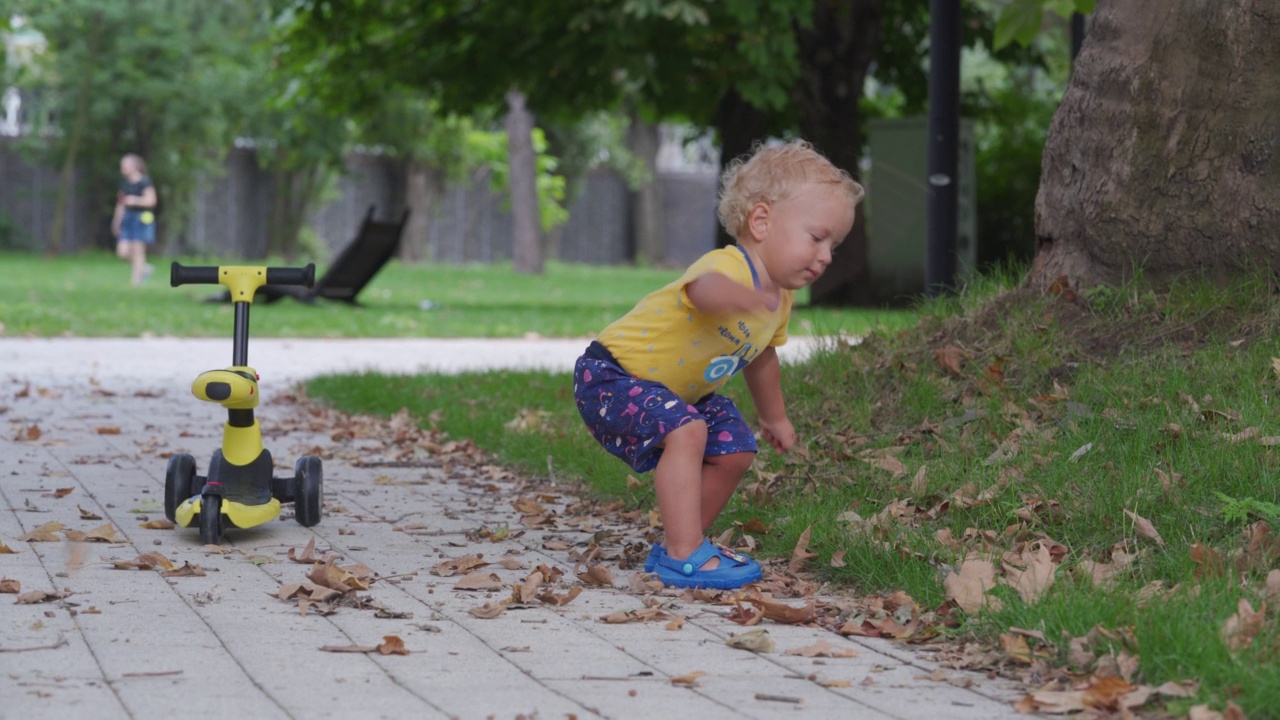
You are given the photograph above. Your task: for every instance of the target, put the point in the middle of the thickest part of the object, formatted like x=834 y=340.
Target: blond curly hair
x=770 y=174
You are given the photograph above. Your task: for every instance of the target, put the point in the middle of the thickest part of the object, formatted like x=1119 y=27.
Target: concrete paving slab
x=141 y=645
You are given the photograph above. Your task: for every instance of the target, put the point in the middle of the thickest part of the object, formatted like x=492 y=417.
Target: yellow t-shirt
x=666 y=339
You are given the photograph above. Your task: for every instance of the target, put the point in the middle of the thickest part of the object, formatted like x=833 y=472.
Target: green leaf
x=1019 y=20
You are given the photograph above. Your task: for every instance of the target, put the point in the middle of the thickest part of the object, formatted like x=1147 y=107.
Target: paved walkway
x=132 y=643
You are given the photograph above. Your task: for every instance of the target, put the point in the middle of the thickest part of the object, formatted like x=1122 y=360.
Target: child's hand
x=781 y=435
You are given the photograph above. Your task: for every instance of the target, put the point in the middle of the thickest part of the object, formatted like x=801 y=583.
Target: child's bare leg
x=720 y=477
x=122 y=250
x=138 y=258
x=678 y=483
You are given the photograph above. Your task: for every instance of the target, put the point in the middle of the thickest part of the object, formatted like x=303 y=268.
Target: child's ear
x=758 y=220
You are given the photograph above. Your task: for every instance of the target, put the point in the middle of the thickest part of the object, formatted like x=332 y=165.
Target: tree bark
x=522 y=183
x=646 y=205
x=739 y=125
x=422 y=188
x=66 y=176
x=835 y=54
x=1163 y=157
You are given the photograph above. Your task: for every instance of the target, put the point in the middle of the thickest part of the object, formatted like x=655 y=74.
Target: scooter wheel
x=177 y=483
x=210 y=519
x=308 y=490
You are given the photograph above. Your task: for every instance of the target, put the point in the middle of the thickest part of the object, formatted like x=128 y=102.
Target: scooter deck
x=238 y=515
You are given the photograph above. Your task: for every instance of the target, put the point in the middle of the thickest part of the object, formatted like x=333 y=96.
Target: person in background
x=134 y=221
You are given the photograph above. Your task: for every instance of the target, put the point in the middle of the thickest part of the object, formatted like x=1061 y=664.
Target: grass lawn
x=1109 y=460
x=88 y=295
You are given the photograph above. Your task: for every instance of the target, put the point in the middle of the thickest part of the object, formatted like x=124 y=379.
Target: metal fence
x=229 y=217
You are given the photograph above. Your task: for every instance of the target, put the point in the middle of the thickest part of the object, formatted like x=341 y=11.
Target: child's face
x=128 y=167
x=799 y=234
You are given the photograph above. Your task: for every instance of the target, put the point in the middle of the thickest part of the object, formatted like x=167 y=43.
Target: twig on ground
x=62 y=640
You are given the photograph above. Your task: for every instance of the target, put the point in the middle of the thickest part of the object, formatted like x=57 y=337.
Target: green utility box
x=897 y=207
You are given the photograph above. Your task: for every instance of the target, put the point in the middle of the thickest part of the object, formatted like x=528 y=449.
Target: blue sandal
x=733 y=571
x=655 y=552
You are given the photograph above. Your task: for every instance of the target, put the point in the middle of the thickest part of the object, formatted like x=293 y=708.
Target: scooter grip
x=304 y=276
x=180 y=274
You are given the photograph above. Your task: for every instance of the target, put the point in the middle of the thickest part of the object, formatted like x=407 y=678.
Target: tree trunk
x=1163 y=157
x=295 y=193
x=522 y=183
x=835 y=54
x=646 y=206
x=66 y=177
x=422 y=189
x=739 y=125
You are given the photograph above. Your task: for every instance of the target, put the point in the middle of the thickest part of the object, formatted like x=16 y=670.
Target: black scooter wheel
x=210 y=519
x=308 y=490
x=178 y=477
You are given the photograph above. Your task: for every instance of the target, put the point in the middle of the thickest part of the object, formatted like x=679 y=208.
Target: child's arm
x=714 y=294
x=146 y=200
x=764 y=380
x=118 y=215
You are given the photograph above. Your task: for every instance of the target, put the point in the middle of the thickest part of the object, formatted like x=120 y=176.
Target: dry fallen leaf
x=39 y=596
x=1036 y=577
x=489 y=610
x=103 y=533
x=649 y=614
x=392 y=645
x=551 y=598
x=688 y=679
x=479 y=581
x=1239 y=630
x=6 y=550
x=824 y=648
x=457 y=565
x=950 y=358
x=757 y=641
x=969 y=585
x=308 y=553
x=527 y=590
x=511 y=563
x=88 y=514
x=9 y=585
x=1272 y=586
x=145 y=561
x=1144 y=527
x=595 y=575
x=330 y=575
x=161 y=524
x=801 y=555
x=107 y=430
x=778 y=611
x=44 y=533
x=920 y=483
x=187 y=570
x=644 y=583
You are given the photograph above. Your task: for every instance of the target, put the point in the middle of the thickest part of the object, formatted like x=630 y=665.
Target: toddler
x=647 y=388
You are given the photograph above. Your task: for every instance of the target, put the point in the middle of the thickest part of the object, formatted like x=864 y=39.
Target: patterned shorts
x=629 y=416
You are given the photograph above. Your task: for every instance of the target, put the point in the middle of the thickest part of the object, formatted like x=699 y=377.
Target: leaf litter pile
x=1031 y=448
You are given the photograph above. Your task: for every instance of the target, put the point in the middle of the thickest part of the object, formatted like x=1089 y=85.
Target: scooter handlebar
x=180 y=274
x=304 y=276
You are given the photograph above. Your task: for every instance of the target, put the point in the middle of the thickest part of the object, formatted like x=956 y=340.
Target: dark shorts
x=138 y=225
x=629 y=416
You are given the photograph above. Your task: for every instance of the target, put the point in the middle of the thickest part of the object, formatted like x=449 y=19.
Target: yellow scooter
x=240 y=490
